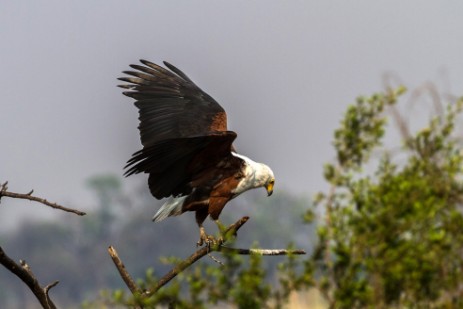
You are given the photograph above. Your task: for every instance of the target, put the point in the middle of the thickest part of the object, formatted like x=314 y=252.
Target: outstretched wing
x=170 y=104
x=183 y=130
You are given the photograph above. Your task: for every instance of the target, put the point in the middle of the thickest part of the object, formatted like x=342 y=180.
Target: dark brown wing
x=183 y=130
x=170 y=104
x=174 y=165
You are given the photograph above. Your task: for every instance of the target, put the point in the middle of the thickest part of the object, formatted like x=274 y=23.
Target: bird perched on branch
x=187 y=148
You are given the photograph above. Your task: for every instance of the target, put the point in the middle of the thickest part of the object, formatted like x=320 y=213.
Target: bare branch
x=217 y=246
x=262 y=251
x=30 y=197
x=48 y=287
x=24 y=273
x=123 y=272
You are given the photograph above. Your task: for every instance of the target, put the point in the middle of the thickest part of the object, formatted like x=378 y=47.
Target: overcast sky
x=284 y=71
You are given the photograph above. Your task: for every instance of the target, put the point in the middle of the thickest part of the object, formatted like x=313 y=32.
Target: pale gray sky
x=284 y=71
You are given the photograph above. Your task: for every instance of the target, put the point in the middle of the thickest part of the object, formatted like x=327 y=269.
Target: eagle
x=187 y=149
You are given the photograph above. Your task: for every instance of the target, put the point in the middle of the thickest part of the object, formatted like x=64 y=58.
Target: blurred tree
x=107 y=189
x=393 y=232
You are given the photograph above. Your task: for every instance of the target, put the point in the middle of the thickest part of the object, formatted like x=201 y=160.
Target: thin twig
x=24 y=273
x=30 y=197
x=262 y=251
x=254 y=251
x=215 y=259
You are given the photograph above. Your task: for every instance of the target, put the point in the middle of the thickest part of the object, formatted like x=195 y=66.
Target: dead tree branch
x=23 y=272
x=30 y=197
x=123 y=272
x=217 y=246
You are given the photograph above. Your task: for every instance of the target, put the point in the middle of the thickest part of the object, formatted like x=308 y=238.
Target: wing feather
x=177 y=71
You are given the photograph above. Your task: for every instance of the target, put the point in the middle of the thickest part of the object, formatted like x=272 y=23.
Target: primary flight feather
x=187 y=149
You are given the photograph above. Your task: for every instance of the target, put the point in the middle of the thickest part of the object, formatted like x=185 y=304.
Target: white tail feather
x=173 y=207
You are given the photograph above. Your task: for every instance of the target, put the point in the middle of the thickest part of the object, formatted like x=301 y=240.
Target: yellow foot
x=206 y=239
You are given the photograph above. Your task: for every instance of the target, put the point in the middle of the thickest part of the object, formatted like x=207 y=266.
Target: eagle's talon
x=205 y=239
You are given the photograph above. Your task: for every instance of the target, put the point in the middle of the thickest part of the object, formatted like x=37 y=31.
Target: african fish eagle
x=187 y=149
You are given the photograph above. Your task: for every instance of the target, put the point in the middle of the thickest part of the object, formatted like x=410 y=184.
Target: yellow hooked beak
x=269 y=187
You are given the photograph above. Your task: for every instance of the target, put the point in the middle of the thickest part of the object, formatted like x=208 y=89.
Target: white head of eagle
x=187 y=148
x=256 y=175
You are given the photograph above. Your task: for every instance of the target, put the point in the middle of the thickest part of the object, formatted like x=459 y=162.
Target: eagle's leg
x=201 y=215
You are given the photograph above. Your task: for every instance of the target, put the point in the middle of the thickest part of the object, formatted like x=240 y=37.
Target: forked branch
x=218 y=246
x=23 y=272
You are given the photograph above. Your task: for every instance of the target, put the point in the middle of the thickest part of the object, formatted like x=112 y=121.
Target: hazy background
x=284 y=71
